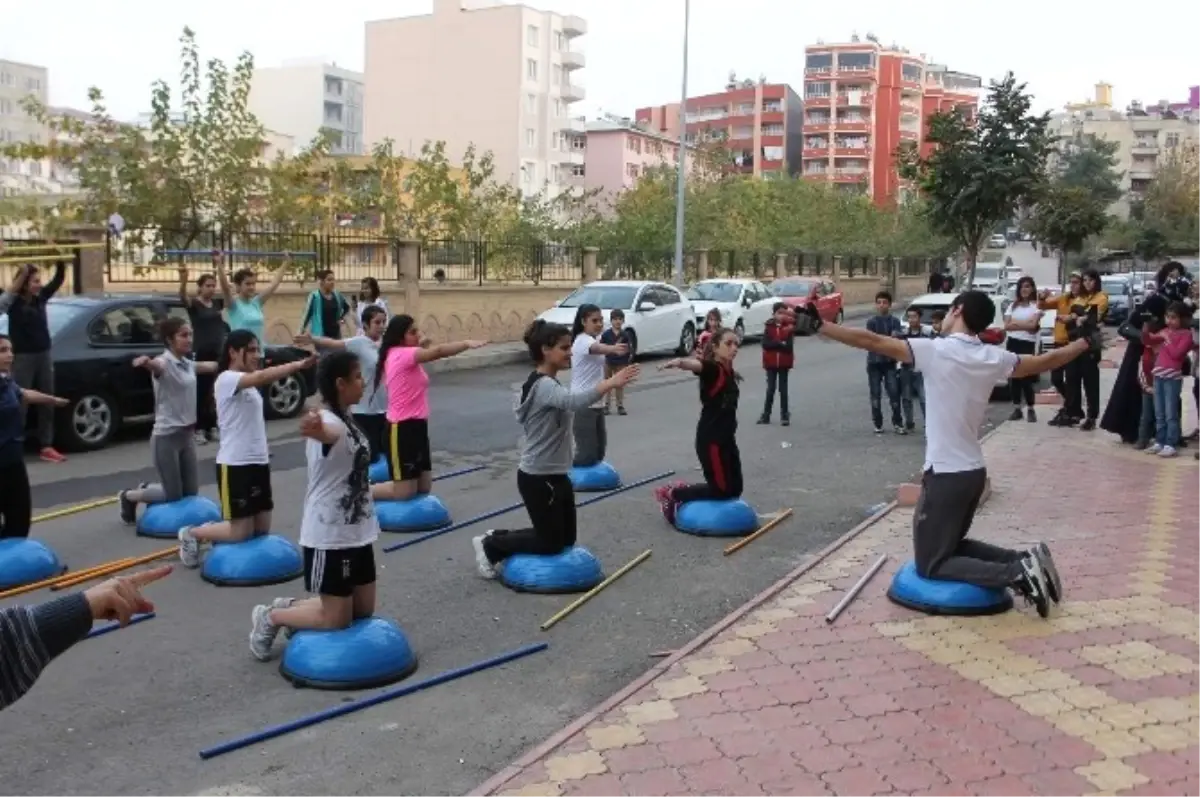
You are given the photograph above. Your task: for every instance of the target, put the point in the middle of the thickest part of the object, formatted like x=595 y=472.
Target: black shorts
x=338 y=571
x=375 y=427
x=245 y=490
x=408 y=449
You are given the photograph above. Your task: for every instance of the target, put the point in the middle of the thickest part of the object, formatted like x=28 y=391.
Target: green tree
x=1172 y=203
x=980 y=172
x=1065 y=217
x=1090 y=163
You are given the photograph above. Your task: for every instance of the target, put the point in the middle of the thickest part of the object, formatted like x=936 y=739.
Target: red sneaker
x=51 y=454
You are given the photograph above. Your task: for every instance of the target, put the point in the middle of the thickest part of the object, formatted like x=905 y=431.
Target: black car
x=96 y=337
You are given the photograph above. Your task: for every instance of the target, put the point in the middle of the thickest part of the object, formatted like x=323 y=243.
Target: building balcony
x=814 y=152
x=849 y=175
x=569 y=157
x=815 y=101
x=910 y=135
x=572 y=59
x=572 y=92
x=1141 y=173
x=816 y=127
x=908 y=106
x=862 y=100
x=817 y=72
x=851 y=126
x=573 y=124
x=574 y=26
x=1144 y=148
x=851 y=152
x=816 y=174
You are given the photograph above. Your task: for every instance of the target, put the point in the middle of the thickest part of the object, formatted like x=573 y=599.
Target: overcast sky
x=1060 y=47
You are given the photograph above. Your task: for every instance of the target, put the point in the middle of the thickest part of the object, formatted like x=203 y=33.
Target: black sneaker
x=128 y=509
x=1071 y=421
x=910 y=427
x=1016 y=414
x=878 y=430
x=785 y=421
x=1057 y=420
x=1030 y=586
x=607 y=411
x=1041 y=552
x=1088 y=425
x=1030 y=415
x=621 y=410
x=900 y=430
x=763 y=419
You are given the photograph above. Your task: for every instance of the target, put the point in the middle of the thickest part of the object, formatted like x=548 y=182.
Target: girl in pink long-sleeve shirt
x=1173 y=345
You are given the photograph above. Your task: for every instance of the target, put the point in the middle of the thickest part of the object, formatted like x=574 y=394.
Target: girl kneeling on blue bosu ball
x=243 y=461
x=716 y=432
x=339 y=526
x=544 y=409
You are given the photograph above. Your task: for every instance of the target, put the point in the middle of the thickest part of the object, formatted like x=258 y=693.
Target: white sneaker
x=1166 y=452
x=284 y=603
x=189 y=548
x=1153 y=448
x=485 y=567
x=262 y=632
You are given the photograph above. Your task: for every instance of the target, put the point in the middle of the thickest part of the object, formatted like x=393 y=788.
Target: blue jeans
x=1166 y=410
x=879 y=379
x=912 y=386
x=1146 y=427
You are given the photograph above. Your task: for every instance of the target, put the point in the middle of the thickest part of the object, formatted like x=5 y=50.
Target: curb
x=505 y=775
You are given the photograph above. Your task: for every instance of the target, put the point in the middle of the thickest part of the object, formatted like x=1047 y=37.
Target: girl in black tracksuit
x=716 y=443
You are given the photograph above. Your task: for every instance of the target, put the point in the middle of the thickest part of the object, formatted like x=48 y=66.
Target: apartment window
x=772 y=106
x=530 y=137
x=816 y=89
x=529 y=173
x=530 y=103
x=631 y=170
x=6 y=107
x=577 y=170
x=1172 y=140
x=33 y=84
x=333 y=86
x=772 y=153
x=333 y=112
x=857 y=62
x=772 y=130
x=35 y=169
x=6 y=79
x=553 y=173
x=578 y=143
x=633 y=145
x=531 y=70
x=558 y=76
x=559 y=109
x=818 y=62
x=5 y=135
x=911 y=73
x=531 y=35
x=560 y=41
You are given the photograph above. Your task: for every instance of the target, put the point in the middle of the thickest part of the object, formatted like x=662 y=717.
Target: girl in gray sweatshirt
x=544 y=408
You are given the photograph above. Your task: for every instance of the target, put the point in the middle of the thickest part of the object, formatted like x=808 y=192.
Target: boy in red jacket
x=777 y=360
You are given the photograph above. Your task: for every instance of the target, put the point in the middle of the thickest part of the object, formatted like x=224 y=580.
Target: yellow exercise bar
x=770 y=524
x=594 y=591
x=35 y=248
x=37 y=259
x=72 y=510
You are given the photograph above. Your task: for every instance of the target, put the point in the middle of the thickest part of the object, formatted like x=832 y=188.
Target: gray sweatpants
x=174 y=456
x=942 y=518
x=591 y=437
x=36 y=372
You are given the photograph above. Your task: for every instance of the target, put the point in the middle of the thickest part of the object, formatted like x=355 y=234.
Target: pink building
x=619 y=153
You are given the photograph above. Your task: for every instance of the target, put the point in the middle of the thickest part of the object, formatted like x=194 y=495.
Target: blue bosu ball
x=932 y=596
x=258 y=561
x=728 y=518
x=597 y=478
x=24 y=561
x=371 y=652
x=419 y=513
x=164 y=521
x=574 y=570
x=378 y=472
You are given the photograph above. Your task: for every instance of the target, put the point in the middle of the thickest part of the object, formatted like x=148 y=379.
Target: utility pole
x=680 y=193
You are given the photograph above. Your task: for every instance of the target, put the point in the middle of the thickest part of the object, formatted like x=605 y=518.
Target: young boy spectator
x=615 y=363
x=777 y=359
x=1173 y=344
x=935 y=323
x=882 y=371
x=912 y=384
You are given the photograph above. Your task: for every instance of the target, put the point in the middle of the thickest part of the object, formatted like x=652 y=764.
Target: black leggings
x=550 y=502
x=206 y=403
x=375 y=427
x=1022 y=388
x=16 y=504
x=722 y=466
x=1083 y=381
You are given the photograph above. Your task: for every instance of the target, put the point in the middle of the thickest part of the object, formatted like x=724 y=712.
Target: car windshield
x=792 y=288
x=987 y=274
x=606 y=297
x=1114 y=288
x=927 y=310
x=58 y=315
x=715 y=292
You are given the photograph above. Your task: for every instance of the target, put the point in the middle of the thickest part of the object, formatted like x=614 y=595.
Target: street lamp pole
x=682 y=183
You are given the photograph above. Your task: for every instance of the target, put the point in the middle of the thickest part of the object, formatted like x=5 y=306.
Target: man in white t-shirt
x=960 y=371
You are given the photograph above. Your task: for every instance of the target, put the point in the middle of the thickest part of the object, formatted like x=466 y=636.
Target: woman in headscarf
x=1124 y=409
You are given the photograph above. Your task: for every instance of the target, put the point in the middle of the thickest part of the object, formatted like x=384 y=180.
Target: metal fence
x=809 y=264
x=638 y=264
x=500 y=261
x=15 y=255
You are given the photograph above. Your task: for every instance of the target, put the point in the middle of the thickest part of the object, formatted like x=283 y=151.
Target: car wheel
x=739 y=329
x=285 y=397
x=88 y=423
x=687 y=340
x=840 y=317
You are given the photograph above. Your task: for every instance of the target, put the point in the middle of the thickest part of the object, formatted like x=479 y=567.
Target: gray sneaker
x=1054 y=589
x=262 y=632
x=482 y=563
x=284 y=603
x=128 y=509
x=189 y=548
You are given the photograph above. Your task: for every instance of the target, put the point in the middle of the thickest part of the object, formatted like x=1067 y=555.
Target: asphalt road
x=127 y=713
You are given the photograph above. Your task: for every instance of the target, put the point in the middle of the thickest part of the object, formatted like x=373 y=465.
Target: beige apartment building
x=18 y=81
x=1146 y=137
x=502 y=77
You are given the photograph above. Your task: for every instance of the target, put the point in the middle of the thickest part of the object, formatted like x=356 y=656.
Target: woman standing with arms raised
x=208 y=333
x=243 y=302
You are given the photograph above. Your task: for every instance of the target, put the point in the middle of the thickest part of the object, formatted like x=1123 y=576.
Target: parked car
x=796 y=292
x=997 y=241
x=95 y=340
x=995 y=334
x=1143 y=282
x=1119 y=288
x=744 y=304
x=991 y=278
x=657 y=315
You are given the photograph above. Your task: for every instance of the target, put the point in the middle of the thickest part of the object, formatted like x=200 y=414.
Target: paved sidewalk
x=1100 y=699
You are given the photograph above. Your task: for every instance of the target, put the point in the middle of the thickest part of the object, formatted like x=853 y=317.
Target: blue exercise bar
x=514 y=506
x=108 y=629
x=276 y=731
x=232 y=252
x=459 y=472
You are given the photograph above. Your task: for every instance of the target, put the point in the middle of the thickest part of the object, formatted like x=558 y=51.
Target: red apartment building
x=760 y=123
x=861 y=101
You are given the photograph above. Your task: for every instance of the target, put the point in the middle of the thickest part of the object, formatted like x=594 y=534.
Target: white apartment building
x=1145 y=135
x=18 y=81
x=501 y=77
x=300 y=98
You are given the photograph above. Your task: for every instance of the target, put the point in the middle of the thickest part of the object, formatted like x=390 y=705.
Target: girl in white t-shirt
x=243 y=469
x=1023 y=322
x=339 y=526
x=587 y=372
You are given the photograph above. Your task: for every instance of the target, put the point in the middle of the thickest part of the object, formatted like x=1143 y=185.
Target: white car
x=997 y=241
x=745 y=304
x=991 y=278
x=659 y=317
x=994 y=334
